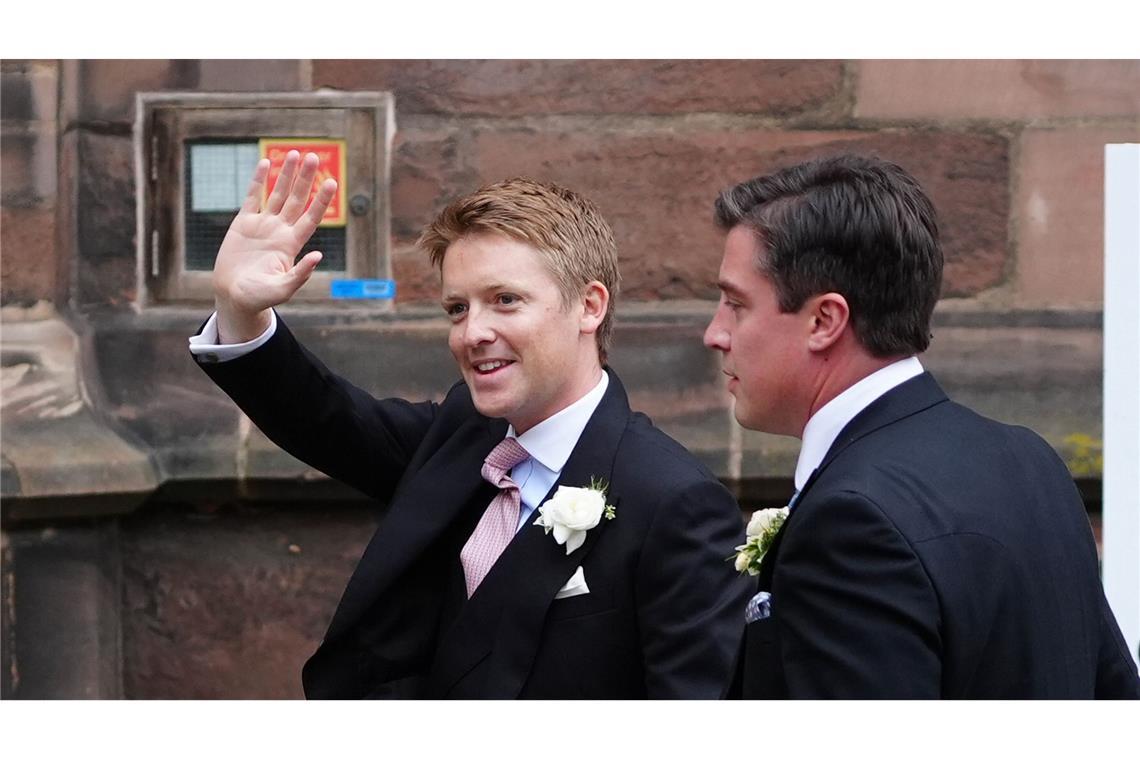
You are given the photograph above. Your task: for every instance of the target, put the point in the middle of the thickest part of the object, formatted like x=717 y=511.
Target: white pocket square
x=576 y=586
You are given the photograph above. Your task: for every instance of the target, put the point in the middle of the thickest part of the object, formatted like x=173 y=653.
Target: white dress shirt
x=825 y=425
x=205 y=344
x=549 y=443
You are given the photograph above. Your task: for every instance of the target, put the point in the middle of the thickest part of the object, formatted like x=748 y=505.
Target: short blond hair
x=565 y=228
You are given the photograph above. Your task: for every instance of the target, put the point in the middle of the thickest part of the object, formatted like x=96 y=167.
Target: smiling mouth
x=490 y=367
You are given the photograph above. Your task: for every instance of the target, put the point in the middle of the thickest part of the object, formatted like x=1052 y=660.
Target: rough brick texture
x=16 y=157
x=426 y=166
x=15 y=96
x=105 y=216
x=996 y=89
x=28 y=264
x=657 y=189
x=104 y=90
x=1060 y=215
x=231 y=605
x=515 y=87
x=29 y=91
x=17 y=101
x=249 y=76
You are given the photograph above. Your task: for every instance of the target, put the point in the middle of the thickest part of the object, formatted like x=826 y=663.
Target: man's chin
x=759 y=422
x=743 y=418
x=489 y=406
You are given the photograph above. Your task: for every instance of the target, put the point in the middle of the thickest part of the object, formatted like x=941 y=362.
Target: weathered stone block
x=517 y=87
x=657 y=190
x=9 y=677
x=768 y=457
x=28 y=165
x=996 y=89
x=16 y=168
x=16 y=97
x=9 y=476
x=417 y=280
x=65 y=613
x=1060 y=215
x=104 y=90
x=217 y=75
x=671 y=377
x=54 y=441
x=105 y=264
x=230 y=604
x=147 y=382
x=661 y=357
x=29 y=92
x=425 y=165
x=1046 y=379
x=28 y=266
x=401 y=359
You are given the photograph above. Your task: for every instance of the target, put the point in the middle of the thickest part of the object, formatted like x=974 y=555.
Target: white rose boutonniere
x=762 y=528
x=573 y=511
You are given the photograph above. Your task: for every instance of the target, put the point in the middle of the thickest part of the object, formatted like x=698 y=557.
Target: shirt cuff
x=206 y=348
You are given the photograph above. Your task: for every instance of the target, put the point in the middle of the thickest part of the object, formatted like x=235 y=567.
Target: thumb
x=303 y=269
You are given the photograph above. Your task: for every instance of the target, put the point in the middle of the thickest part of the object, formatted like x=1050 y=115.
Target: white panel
x=1121 y=536
x=220 y=174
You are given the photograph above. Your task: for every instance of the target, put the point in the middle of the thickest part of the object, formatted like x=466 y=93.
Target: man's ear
x=830 y=316
x=595 y=302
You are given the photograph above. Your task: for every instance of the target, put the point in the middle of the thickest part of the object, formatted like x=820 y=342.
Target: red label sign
x=332 y=155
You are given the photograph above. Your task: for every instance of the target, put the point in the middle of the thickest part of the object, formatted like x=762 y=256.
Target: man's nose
x=477 y=329
x=716 y=336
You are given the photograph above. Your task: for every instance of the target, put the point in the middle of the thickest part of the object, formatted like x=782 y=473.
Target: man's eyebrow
x=727 y=287
x=492 y=287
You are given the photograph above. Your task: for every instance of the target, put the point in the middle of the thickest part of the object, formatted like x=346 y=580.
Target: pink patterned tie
x=499 y=522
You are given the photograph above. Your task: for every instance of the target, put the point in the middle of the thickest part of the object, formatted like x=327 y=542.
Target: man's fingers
x=307 y=224
x=302 y=189
x=303 y=269
x=252 y=202
x=284 y=182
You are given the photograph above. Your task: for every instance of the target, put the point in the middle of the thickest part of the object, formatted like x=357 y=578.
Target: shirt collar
x=551 y=441
x=825 y=425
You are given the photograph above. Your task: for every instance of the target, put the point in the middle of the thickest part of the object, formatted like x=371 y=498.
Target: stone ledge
x=153 y=420
x=56 y=445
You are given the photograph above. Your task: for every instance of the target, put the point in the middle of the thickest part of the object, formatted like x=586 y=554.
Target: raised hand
x=255 y=268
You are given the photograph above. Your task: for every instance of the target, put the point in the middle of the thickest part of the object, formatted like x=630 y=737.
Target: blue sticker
x=363 y=289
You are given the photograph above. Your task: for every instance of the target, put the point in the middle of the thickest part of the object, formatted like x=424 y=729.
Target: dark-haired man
x=929 y=551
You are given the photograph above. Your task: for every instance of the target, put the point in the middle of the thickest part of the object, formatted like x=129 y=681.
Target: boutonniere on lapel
x=761 y=530
x=572 y=511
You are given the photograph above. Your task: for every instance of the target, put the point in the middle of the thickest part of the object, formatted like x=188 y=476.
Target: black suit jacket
x=664 y=614
x=935 y=553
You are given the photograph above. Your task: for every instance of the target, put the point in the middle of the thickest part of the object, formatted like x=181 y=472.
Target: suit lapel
x=908 y=398
x=503 y=619
x=448 y=483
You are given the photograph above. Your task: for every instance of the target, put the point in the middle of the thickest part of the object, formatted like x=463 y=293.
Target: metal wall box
x=180 y=223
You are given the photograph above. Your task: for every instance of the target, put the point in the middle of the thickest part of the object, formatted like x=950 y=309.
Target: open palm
x=255 y=267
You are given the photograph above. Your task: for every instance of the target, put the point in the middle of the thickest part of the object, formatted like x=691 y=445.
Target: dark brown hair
x=854 y=225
